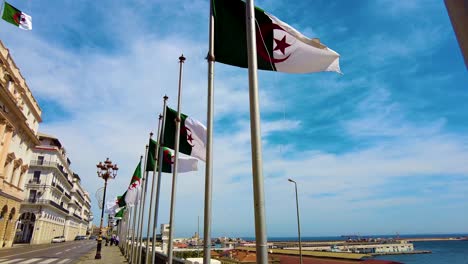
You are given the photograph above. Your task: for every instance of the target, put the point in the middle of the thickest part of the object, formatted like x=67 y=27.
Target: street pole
x=99 y=242
x=106 y=170
x=298 y=221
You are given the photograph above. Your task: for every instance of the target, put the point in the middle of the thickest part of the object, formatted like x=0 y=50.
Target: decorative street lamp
x=298 y=222
x=106 y=171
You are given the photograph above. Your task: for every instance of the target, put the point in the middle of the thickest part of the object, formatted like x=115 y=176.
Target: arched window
x=4 y=211
x=12 y=214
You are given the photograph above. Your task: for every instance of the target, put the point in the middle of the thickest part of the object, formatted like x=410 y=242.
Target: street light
x=298 y=222
x=106 y=171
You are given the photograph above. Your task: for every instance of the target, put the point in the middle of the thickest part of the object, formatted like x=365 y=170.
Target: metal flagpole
x=125 y=240
x=209 y=144
x=257 y=171
x=151 y=197
x=174 y=168
x=158 y=184
x=132 y=255
x=142 y=209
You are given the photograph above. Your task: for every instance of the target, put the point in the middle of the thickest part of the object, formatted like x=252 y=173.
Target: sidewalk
x=109 y=254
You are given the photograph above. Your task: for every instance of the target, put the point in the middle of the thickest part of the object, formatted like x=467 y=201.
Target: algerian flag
x=114 y=205
x=134 y=189
x=120 y=213
x=184 y=164
x=279 y=46
x=151 y=159
x=192 y=134
x=121 y=200
x=14 y=16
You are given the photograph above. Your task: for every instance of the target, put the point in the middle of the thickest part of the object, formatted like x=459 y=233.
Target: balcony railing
x=68 y=195
x=59 y=188
x=34 y=181
x=79 y=217
x=45 y=201
x=58 y=206
x=51 y=164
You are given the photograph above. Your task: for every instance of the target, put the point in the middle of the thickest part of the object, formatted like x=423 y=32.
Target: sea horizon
x=343 y=237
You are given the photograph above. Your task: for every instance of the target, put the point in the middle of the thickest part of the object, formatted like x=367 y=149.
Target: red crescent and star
x=281 y=44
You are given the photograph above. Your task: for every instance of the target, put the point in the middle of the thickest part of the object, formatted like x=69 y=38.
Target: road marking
x=12 y=261
x=58 y=253
x=67 y=249
x=46 y=248
x=48 y=261
x=63 y=261
x=31 y=260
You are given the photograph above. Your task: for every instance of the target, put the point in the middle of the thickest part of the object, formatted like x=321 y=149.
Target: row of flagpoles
x=312 y=56
x=129 y=208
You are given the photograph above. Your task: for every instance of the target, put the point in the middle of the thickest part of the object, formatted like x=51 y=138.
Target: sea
x=443 y=252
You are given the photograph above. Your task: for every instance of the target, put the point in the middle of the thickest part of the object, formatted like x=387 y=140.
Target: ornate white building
x=20 y=116
x=56 y=203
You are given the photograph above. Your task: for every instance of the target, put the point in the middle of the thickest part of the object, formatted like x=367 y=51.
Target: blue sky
x=379 y=150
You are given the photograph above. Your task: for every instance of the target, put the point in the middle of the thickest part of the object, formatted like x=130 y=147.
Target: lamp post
x=106 y=171
x=298 y=222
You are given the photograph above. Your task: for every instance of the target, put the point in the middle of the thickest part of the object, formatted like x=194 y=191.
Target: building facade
x=56 y=203
x=20 y=116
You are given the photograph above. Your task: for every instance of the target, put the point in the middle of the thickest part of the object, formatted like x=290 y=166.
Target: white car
x=58 y=239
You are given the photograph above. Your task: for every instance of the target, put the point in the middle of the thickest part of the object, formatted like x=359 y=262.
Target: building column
x=16 y=172
x=9 y=166
x=24 y=170
x=5 y=144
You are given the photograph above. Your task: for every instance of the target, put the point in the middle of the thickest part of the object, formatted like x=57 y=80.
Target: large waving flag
x=14 y=16
x=192 y=134
x=280 y=47
x=134 y=189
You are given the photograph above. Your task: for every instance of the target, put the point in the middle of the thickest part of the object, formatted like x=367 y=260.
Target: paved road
x=60 y=253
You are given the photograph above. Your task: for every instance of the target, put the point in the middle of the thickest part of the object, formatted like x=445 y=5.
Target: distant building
x=243 y=256
x=20 y=116
x=165 y=237
x=200 y=261
x=56 y=204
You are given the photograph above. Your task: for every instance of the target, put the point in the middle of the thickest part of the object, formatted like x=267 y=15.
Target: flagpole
x=257 y=171
x=151 y=198
x=209 y=144
x=158 y=184
x=142 y=208
x=129 y=213
x=132 y=255
x=175 y=168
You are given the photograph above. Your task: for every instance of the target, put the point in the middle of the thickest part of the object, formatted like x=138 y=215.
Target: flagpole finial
x=182 y=58
x=151 y=134
x=165 y=97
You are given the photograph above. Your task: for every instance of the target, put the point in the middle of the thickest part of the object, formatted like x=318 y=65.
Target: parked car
x=80 y=237
x=92 y=237
x=58 y=239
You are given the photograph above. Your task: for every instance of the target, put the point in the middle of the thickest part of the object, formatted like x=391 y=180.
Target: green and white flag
x=151 y=159
x=120 y=213
x=14 y=16
x=114 y=205
x=184 y=164
x=280 y=47
x=134 y=189
x=192 y=134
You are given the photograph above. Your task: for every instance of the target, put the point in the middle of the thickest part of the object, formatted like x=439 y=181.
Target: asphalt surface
x=58 y=253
